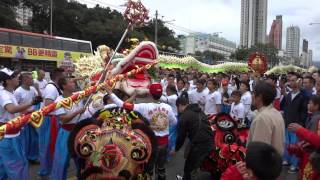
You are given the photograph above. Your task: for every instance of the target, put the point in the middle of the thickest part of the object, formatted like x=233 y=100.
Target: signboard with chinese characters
x=21 y=52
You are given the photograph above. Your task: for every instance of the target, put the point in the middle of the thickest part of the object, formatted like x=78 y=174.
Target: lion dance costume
x=230 y=142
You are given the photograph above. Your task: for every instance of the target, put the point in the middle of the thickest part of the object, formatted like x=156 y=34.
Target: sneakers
x=292 y=170
x=178 y=177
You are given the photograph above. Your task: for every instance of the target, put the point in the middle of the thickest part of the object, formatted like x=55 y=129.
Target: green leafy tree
x=8 y=15
x=40 y=21
x=271 y=53
x=240 y=54
x=166 y=39
x=98 y=24
x=209 y=56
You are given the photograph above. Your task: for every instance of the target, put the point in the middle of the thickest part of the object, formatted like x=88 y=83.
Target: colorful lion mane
x=114 y=144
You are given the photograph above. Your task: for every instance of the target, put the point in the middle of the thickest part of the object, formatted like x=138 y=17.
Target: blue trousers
x=30 y=142
x=33 y=151
x=44 y=148
x=13 y=163
x=33 y=141
x=172 y=139
x=61 y=156
x=226 y=108
x=291 y=138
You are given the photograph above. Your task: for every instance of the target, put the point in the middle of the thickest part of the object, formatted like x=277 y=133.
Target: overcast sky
x=209 y=16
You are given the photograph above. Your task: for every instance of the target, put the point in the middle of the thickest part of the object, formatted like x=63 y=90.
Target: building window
x=52 y=43
x=15 y=39
x=32 y=41
x=69 y=45
x=4 y=37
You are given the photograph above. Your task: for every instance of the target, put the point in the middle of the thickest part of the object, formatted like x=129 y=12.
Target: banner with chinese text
x=21 y=52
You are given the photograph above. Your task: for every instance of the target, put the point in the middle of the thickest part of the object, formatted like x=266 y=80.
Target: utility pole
x=156 y=30
x=51 y=3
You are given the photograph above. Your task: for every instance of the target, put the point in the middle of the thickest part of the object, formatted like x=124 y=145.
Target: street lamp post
x=51 y=3
x=156 y=28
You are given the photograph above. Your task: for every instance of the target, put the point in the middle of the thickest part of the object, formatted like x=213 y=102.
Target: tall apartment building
x=23 y=15
x=253 y=22
x=293 y=41
x=310 y=61
x=275 y=34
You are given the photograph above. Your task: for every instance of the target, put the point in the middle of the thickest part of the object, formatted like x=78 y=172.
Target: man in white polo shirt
x=49 y=128
x=13 y=162
x=213 y=98
x=40 y=82
x=29 y=136
x=198 y=96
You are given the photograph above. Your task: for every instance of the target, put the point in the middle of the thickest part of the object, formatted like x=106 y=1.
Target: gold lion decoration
x=114 y=144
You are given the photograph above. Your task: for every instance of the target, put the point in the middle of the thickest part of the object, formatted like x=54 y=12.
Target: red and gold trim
x=36 y=117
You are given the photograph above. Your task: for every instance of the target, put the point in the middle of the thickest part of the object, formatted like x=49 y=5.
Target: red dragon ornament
x=145 y=53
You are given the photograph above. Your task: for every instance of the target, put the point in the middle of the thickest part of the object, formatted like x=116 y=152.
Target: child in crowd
x=225 y=92
x=180 y=86
x=262 y=162
x=198 y=96
x=213 y=98
x=309 y=146
x=237 y=108
x=246 y=99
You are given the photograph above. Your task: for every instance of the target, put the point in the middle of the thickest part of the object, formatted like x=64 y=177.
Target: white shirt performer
x=213 y=99
x=170 y=100
x=14 y=164
x=160 y=116
x=198 y=96
x=237 y=111
x=49 y=128
x=40 y=82
x=26 y=95
x=246 y=100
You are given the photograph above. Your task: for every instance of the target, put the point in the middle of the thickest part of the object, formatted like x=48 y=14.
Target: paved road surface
x=174 y=167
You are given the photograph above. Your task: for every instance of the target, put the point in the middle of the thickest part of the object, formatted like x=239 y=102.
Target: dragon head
x=145 y=53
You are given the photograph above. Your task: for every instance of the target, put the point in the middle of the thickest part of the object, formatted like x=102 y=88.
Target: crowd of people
x=282 y=113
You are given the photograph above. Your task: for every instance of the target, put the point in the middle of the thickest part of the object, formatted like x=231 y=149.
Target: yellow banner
x=21 y=52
